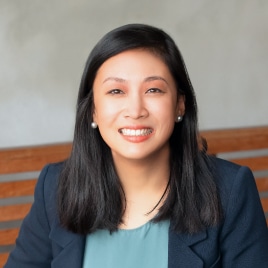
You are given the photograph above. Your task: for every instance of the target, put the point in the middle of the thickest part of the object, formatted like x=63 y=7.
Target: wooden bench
x=246 y=147
x=20 y=167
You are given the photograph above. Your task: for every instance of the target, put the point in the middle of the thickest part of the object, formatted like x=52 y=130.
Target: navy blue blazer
x=241 y=240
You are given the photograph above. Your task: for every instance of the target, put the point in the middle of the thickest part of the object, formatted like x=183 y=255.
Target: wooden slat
x=240 y=139
x=8 y=236
x=255 y=164
x=14 y=212
x=262 y=184
x=32 y=158
x=264 y=202
x=17 y=188
x=3 y=258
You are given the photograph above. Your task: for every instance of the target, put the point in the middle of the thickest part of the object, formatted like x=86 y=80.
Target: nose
x=135 y=107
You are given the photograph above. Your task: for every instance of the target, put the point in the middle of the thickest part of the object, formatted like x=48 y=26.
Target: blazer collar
x=180 y=253
x=71 y=246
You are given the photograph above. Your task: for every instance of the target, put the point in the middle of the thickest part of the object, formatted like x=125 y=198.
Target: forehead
x=135 y=62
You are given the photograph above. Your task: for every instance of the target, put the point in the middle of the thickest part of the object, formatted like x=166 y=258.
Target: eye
x=154 y=90
x=115 y=91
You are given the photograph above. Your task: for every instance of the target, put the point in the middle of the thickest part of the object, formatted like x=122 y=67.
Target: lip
x=136 y=133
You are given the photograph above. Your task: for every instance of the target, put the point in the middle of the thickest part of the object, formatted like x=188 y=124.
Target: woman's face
x=136 y=104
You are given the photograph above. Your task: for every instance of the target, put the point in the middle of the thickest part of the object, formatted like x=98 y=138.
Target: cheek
x=165 y=110
x=105 y=112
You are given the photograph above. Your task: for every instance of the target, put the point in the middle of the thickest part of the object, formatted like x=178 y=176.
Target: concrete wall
x=44 y=45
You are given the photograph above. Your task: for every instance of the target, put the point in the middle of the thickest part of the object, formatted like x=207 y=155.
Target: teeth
x=136 y=132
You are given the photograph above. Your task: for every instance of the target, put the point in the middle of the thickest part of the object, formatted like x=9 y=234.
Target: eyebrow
x=147 y=79
x=116 y=79
x=153 y=78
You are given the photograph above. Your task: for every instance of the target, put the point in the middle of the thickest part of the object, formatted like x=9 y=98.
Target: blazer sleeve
x=33 y=247
x=244 y=235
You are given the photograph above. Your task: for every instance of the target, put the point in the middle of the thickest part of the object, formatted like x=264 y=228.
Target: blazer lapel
x=180 y=253
x=68 y=248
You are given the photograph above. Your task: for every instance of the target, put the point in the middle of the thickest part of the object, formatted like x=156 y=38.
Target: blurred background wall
x=44 y=46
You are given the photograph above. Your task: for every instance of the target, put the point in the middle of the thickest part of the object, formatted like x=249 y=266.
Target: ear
x=94 y=116
x=180 y=108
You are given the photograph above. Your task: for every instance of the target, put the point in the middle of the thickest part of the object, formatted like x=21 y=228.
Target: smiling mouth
x=135 y=132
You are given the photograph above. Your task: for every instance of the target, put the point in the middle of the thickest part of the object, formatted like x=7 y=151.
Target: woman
x=138 y=189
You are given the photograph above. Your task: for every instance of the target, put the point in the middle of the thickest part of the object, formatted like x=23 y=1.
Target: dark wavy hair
x=90 y=195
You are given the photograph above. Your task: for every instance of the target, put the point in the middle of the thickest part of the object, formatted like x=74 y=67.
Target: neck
x=145 y=184
x=135 y=175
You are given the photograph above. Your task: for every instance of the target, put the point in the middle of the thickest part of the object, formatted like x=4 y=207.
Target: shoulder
x=231 y=179
x=222 y=167
x=51 y=171
x=48 y=178
x=47 y=185
x=243 y=233
x=49 y=175
x=226 y=173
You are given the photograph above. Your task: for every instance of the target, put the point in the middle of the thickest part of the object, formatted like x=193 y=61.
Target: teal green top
x=145 y=246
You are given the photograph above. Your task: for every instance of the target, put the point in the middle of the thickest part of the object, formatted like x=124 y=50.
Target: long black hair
x=90 y=195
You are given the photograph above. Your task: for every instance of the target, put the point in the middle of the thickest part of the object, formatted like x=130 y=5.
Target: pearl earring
x=94 y=125
x=179 y=118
